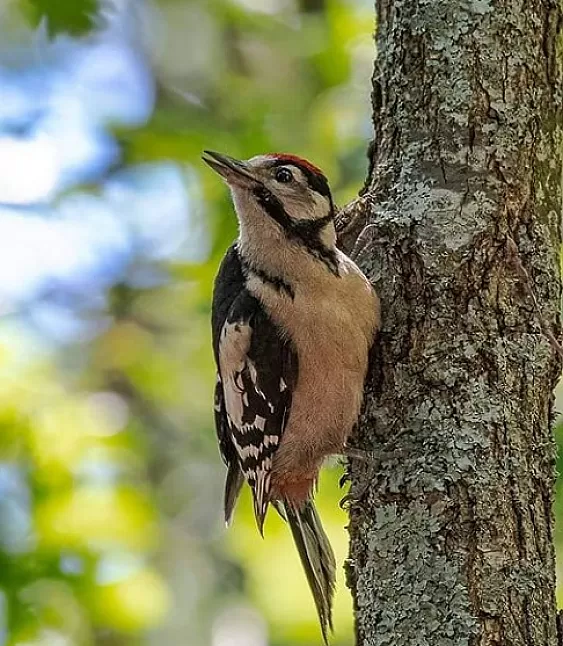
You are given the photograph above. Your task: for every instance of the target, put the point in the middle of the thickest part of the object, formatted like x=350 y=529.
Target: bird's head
x=279 y=193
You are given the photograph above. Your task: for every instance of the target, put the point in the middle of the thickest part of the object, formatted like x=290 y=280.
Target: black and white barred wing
x=258 y=371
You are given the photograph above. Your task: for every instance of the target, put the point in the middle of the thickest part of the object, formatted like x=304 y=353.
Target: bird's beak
x=233 y=171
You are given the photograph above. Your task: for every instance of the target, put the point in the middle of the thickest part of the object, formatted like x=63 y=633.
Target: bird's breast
x=331 y=322
x=335 y=314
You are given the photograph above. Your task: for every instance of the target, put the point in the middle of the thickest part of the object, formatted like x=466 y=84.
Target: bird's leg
x=354 y=497
x=353 y=453
x=358 y=253
x=371 y=457
x=373 y=461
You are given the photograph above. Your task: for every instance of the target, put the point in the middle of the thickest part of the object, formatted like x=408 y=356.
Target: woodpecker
x=293 y=321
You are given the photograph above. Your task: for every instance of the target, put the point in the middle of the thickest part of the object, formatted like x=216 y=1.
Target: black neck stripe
x=279 y=284
x=306 y=232
x=273 y=207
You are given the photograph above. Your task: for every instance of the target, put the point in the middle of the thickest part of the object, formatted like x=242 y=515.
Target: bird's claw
x=373 y=460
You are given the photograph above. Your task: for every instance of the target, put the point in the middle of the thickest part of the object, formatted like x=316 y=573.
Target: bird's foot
x=363 y=246
x=371 y=457
x=353 y=453
x=373 y=461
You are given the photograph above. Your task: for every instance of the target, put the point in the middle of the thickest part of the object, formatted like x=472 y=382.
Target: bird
x=293 y=321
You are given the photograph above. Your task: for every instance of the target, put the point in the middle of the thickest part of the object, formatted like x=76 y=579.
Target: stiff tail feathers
x=233 y=485
x=316 y=557
x=310 y=539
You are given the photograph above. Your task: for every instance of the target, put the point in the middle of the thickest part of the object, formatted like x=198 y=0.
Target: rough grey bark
x=451 y=542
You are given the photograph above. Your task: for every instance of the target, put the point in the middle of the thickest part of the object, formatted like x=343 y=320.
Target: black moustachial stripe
x=306 y=232
x=273 y=206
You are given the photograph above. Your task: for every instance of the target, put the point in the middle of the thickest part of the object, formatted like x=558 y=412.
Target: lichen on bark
x=451 y=542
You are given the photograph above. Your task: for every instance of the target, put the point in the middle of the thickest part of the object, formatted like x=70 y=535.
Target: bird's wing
x=229 y=284
x=258 y=371
x=256 y=375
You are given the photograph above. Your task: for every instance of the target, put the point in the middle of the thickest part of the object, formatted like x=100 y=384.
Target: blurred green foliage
x=75 y=18
x=110 y=478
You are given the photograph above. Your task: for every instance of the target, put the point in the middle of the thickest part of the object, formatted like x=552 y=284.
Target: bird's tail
x=317 y=558
x=233 y=485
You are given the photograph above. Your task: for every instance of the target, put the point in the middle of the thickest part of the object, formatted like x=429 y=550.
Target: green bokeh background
x=142 y=557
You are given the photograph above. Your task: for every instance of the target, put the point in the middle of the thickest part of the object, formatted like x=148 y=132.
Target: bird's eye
x=283 y=175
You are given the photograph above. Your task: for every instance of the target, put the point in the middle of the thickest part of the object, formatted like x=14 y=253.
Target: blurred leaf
x=75 y=17
x=135 y=603
x=107 y=437
x=96 y=518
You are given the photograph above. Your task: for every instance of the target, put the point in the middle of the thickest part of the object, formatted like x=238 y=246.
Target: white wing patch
x=244 y=398
x=233 y=347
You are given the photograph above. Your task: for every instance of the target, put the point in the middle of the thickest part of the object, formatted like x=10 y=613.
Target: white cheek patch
x=314 y=208
x=322 y=206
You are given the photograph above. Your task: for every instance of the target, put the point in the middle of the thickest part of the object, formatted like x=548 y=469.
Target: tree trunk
x=452 y=540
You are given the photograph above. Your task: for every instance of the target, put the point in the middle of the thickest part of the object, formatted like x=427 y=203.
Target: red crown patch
x=297 y=161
